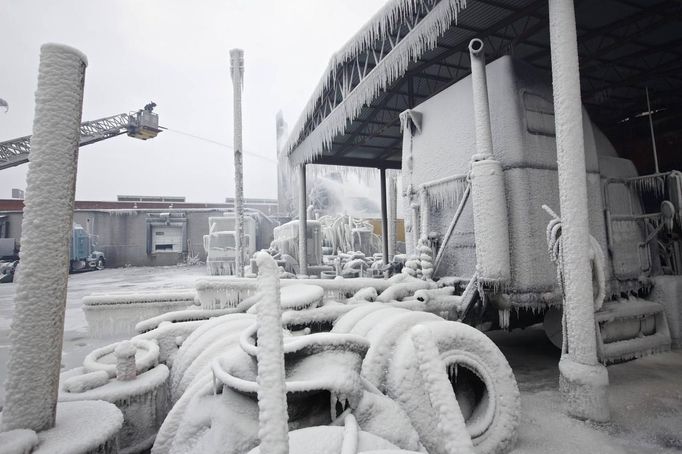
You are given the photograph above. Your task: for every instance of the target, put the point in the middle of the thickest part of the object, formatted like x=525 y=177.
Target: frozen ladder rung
x=628 y=349
x=630 y=329
x=623 y=309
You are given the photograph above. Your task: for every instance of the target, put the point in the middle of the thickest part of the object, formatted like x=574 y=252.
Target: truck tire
x=482 y=381
x=100 y=263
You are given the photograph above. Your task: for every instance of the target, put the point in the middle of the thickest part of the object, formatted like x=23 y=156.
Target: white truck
x=484 y=221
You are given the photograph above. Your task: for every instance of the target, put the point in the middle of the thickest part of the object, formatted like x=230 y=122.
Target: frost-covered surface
x=38 y=324
x=439 y=389
x=668 y=292
x=572 y=185
x=491 y=231
x=77 y=340
x=225 y=292
x=18 y=441
x=237 y=72
x=645 y=394
x=296 y=297
x=187 y=315
x=644 y=399
x=332 y=440
x=144 y=402
x=82 y=427
x=479 y=82
x=146 y=355
x=116 y=314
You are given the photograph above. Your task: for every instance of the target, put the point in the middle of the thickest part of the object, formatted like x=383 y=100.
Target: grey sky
x=175 y=53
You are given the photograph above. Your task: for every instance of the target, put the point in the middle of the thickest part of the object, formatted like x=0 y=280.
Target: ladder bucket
x=631 y=328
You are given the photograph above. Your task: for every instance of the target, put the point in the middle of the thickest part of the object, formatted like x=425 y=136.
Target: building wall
x=123 y=235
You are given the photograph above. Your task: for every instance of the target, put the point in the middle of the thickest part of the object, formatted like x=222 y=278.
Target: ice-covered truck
x=483 y=217
x=9 y=258
x=82 y=255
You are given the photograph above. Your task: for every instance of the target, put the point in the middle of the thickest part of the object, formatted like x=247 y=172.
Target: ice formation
x=115 y=315
x=102 y=420
x=18 y=441
x=423 y=37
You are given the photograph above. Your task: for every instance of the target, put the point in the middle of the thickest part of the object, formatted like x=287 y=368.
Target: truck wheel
x=482 y=381
x=100 y=263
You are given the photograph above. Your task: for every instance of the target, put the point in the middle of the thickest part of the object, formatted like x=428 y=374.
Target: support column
x=384 y=215
x=38 y=324
x=392 y=209
x=302 y=222
x=583 y=381
x=237 y=71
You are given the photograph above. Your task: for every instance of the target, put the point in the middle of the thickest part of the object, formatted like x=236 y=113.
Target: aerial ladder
x=143 y=124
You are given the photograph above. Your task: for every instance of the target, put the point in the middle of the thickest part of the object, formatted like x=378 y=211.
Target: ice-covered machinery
x=286 y=240
x=220 y=243
x=482 y=216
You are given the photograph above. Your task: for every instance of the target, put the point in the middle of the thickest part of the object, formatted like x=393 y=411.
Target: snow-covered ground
x=645 y=395
x=77 y=342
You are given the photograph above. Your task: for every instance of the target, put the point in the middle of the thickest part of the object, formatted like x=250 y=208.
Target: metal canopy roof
x=402 y=57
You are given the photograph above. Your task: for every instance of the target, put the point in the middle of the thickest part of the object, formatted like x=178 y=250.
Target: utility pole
x=237 y=71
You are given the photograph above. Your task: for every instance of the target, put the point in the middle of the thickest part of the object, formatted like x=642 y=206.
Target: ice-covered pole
x=583 y=381
x=484 y=138
x=272 y=401
x=384 y=216
x=126 y=369
x=302 y=222
x=392 y=209
x=38 y=326
x=237 y=71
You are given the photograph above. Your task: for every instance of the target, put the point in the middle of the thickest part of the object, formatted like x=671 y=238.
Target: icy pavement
x=77 y=342
x=645 y=395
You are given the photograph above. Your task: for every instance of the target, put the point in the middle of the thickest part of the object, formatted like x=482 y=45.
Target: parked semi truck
x=82 y=256
x=483 y=216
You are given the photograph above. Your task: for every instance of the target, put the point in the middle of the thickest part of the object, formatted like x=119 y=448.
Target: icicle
x=647 y=184
x=351 y=433
x=446 y=191
x=503 y=317
x=423 y=37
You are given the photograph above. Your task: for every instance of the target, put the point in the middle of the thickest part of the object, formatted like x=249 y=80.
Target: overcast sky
x=175 y=53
